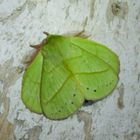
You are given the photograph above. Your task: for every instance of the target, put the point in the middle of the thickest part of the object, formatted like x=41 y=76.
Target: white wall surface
x=115 y=23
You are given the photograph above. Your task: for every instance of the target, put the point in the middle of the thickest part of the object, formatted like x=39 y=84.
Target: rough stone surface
x=115 y=23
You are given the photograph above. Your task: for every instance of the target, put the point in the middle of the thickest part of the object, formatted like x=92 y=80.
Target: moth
x=66 y=71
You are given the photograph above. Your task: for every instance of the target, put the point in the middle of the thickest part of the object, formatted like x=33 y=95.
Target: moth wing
x=99 y=50
x=75 y=69
x=30 y=93
x=96 y=69
x=61 y=95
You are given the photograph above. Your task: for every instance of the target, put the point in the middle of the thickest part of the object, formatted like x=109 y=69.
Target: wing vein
x=95 y=56
x=59 y=89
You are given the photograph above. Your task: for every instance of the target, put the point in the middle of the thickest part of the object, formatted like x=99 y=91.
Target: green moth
x=67 y=71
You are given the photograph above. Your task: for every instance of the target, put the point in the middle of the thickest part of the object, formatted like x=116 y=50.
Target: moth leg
x=30 y=59
x=35 y=46
x=82 y=34
x=44 y=42
x=46 y=33
x=39 y=46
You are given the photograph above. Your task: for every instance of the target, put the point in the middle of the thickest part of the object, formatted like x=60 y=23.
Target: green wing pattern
x=71 y=69
x=30 y=93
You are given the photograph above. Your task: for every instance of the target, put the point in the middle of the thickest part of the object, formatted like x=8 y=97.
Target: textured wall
x=110 y=22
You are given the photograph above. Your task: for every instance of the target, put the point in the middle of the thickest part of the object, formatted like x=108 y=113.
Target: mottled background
x=115 y=23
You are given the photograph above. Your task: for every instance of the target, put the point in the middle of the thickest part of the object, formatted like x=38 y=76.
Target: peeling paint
x=6 y=131
x=34 y=133
x=85 y=23
x=120 y=9
x=67 y=12
x=50 y=130
x=6 y=128
x=73 y=1
x=1 y=108
x=31 y=4
x=138 y=15
x=116 y=9
x=8 y=75
x=15 y=13
x=132 y=136
x=87 y=119
x=1 y=87
x=120 y=102
x=138 y=77
x=92 y=8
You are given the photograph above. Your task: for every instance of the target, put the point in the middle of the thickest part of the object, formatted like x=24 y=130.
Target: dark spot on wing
x=94 y=90
x=74 y=95
x=71 y=102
